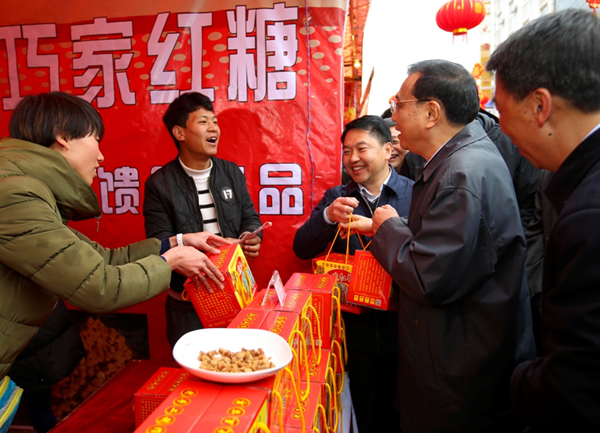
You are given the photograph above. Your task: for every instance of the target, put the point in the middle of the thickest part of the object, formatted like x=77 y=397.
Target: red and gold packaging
x=287 y=325
x=340 y=266
x=249 y=318
x=310 y=414
x=300 y=301
x=371 y=285
x=219 y=308
x=156 y=390
x=322 y=371
x=280 y=388
x=326 y=307
x=180 y=411
x=237 y=409
x=299 y=281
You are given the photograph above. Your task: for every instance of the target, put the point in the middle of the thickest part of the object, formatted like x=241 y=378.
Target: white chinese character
x=10 y=35
x=106 y=187
x=33 y=33
x=290 y=201
x=196 y=22
x=127 y=195
x=124 y=184
x=163 y=51
x=241 y=64
x=99 y=54
x=278 y=52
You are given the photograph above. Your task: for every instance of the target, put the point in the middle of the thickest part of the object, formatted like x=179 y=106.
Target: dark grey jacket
x=465 y=320
x=171 y=204
x=524 y=175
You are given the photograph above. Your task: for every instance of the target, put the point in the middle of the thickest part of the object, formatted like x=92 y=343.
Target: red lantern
x=458 y=16
x=593 y=4
x=483 y=99
x=478 y=69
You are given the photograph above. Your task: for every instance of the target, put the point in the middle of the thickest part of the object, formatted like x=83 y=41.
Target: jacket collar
x=573 y=170
x=469 y=134
x=394 y=184
x=75 y=199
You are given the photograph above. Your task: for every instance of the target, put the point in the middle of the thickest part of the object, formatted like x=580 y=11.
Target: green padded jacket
x=42 y=259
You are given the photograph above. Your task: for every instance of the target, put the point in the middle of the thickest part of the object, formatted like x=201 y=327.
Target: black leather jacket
x=171 y=204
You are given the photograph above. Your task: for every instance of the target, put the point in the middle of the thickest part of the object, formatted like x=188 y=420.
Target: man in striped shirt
x=196 y=192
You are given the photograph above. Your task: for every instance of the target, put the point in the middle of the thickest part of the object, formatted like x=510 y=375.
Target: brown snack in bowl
x=225 y=361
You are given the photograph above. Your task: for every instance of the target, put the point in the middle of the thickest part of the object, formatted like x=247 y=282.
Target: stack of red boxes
x=304 y=396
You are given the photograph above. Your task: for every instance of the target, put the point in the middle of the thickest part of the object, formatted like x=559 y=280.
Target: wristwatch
x=179 y=239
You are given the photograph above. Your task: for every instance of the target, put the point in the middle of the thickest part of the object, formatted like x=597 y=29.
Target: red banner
x=272 y=69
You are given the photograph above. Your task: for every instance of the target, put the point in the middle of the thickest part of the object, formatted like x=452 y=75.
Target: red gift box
x=156 y=390
x=217 y=308
x=371 y=285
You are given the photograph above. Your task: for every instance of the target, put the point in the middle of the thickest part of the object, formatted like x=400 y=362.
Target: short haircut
x=559 y=52
x=42 y=118
x=374 y=125
x=180 y=109
x=449 y=84
x=387 y=114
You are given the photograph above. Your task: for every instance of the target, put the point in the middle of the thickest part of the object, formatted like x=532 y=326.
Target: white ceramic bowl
x=189 y=346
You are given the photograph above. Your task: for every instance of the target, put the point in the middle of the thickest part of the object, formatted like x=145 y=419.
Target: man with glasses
x=464 y=316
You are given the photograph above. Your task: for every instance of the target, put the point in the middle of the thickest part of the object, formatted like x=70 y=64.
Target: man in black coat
x=548 y=96
x=196 y=192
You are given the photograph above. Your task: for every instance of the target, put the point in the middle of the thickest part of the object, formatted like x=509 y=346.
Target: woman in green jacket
x=46 y=170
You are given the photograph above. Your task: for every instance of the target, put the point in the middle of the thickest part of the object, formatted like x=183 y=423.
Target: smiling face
x=365 y=159
x=397 y=155
x=199 y=139
x=83 y=154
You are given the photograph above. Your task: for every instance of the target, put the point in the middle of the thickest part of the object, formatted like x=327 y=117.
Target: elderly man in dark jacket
x=548 y=96
x=524 y=175
x=464 y=317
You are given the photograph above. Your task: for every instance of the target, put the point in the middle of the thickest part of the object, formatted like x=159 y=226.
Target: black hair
x=42 y=118
x=180 y=109
x=559 y=52
x=451 y=85
x=374 y=125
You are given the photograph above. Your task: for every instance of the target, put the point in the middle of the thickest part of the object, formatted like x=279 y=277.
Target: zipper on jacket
x=98 y=223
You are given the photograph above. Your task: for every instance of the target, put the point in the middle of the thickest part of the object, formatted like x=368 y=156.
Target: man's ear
x=433 y=113
x=179 y=133
x=387 y=149
x=541 y=100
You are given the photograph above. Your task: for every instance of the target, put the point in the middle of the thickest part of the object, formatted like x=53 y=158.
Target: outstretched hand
x=250 y=246
x=205 y=241
x=369 y=226
x=195 y=265
x=360 y=224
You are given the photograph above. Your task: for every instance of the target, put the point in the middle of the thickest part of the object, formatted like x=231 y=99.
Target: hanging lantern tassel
x=459 y=16
x=593 y=5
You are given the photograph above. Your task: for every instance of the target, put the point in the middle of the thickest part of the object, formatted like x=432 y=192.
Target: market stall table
x=110 y=408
